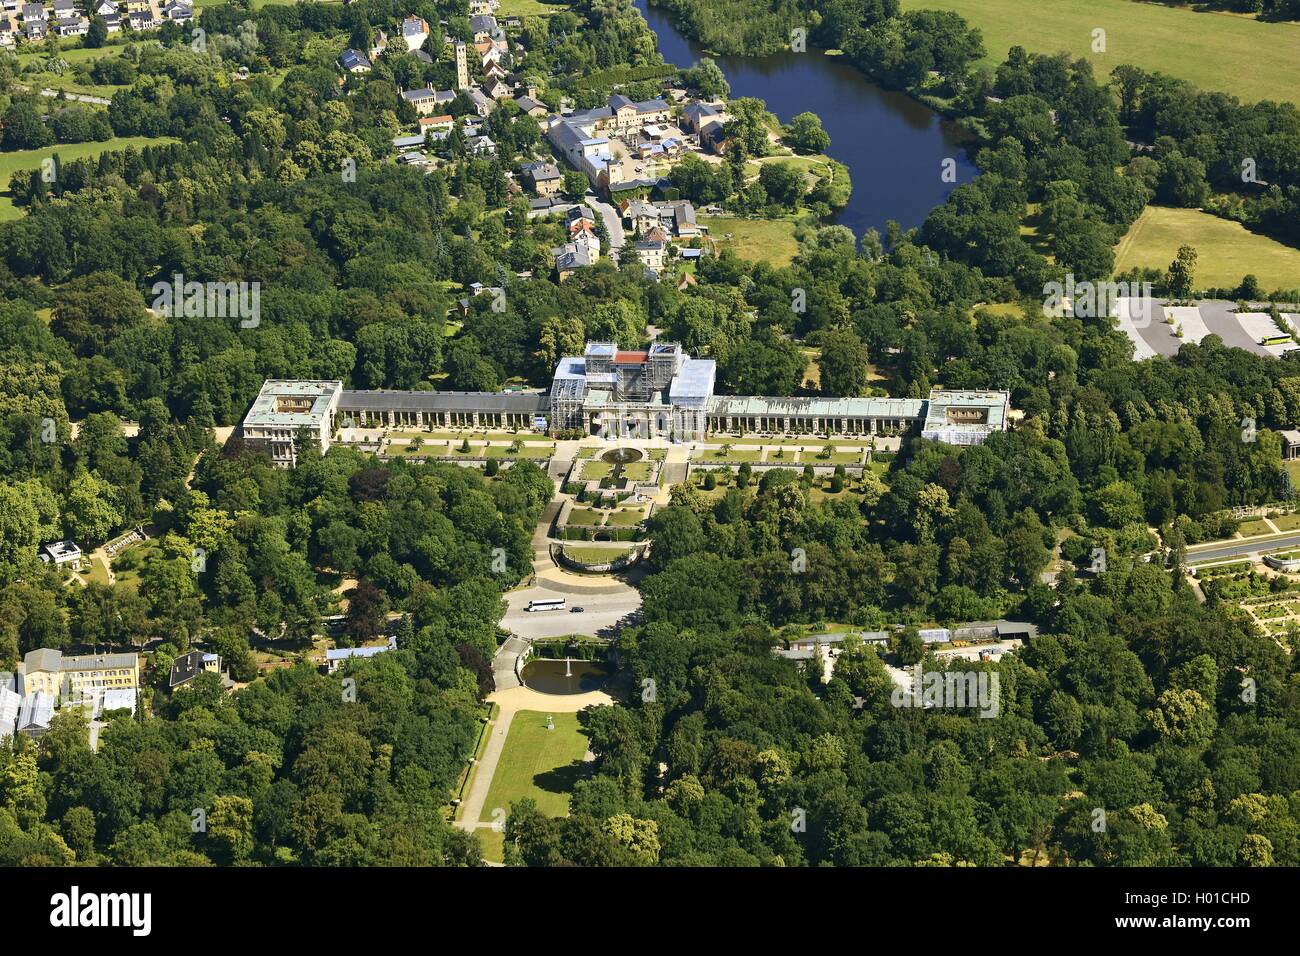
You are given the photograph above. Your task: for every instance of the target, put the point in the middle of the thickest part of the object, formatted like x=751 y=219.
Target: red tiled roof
x=630 y=358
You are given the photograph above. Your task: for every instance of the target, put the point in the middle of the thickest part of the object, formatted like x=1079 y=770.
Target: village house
x=177 y=12
x=415 y=31
x=352 y=61
x=435 y=127
x=480 y=102
x=496 y=89
x=481 y=146
x=189 y=666
x=545 y=178
x=652 y=253
x=531 y=106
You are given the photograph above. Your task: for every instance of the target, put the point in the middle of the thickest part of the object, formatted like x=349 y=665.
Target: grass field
x=1225 y=250
x=11 y=163
x=538 y=763
x=592 y=554
x=760 y=240
x=528 y=8
x=81 y=54
x=1249 y=58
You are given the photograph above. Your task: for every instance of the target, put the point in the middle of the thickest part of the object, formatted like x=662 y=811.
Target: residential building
x=288 y=412
x=71 y=26
x=189 y=666
x=532 y=107
x=484 y=26
x=652 y=253
x=621 y=114
x=571 y=257
x=177 y=12
x=353 y=61
x=415 y=31
x=481 y=103
x=545 y=178
x=481 y=146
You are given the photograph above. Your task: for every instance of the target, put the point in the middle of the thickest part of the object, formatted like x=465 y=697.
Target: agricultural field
x=1248 y=58
x=538 y=763
x=1226 y=250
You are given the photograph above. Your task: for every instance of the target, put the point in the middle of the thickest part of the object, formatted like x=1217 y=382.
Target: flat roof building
x=658 y=391
x=337 y=657
x=288 y=412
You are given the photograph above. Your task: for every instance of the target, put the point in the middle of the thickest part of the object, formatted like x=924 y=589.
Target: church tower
x=462 y=67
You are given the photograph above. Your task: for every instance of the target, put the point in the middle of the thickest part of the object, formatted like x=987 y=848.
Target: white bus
x=547 y=604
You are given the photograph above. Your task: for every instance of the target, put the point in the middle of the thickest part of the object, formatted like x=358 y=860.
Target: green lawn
x=593 y=554
x=528 y=8
x=70 y=83
x=1249 y=528
x=761 y=240
x=1251 y=59
x=538 y=763
x=11 y=163
x=734 y=454
x=586 y=517
x=1225 y=250
x=81 y=54
x=1287 y=522
x=626 y=517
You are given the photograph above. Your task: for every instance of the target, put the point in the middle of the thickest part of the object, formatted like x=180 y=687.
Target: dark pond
x=564 y=677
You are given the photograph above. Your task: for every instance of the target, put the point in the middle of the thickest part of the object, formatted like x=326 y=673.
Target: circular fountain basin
x=553 y=677
x=622 y=456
